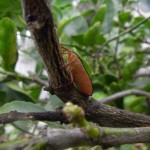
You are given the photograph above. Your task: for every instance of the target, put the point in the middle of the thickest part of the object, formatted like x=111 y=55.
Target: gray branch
x=121 y=94
x=65 y=138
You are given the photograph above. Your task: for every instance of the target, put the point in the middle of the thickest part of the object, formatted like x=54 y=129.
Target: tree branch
x=11 y=75
x=37 y=79
x=40 y=23
x=108 y=137
x=121 y=94
x=43 y=116
x=95 y=112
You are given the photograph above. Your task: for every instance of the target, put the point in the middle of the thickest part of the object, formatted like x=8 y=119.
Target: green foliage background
x=91 y=29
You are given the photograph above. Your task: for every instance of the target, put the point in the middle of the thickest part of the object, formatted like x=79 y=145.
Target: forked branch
x=40 y=22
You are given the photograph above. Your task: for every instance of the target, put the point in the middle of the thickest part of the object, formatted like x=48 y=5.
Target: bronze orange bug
x=79 y=75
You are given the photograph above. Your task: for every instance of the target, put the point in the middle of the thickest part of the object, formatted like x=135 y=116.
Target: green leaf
x=94 y=1
x=21 y=106
x=131 y=68
x=146 y=87
x=72 y=25
x=135 y=104
x=108 y=79
x=39 y=68
x=54 y=103
x=78 y=38
x=16 y=92
x=100 y=14
x=124 y=2
x=8 y=44
x=90 y=37
x=14 y=85
x=7 y=6
x=100 y=39
x=87 y=13
x=62 y=3
x=57 y=13
x=3 y=96
x=124 y=17
x=34 y=90
x=127 y=147
x=109 y=15
x=99 y=95
x=18 y=20
x=115 y=86
x=137 y=20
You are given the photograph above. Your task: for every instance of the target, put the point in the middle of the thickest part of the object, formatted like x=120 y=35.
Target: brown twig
x=43 y=116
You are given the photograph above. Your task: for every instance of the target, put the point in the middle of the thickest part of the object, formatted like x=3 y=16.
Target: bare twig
x=115 y=56
x=37 y=79
x=43 y=116
x=22 y=77
x=119 y=95
x=144 y=51
x=144 y=74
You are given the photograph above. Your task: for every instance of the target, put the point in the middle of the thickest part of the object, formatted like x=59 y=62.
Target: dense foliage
x=110 y=36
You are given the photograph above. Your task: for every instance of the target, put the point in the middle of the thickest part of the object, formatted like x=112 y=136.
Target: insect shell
x=79 y=75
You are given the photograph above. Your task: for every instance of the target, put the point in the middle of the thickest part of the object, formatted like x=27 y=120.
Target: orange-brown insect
x=78 y=73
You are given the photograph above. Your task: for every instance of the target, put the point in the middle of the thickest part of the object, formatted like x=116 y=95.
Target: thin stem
x=22 y=77
x=121 y=94
x=115 y=56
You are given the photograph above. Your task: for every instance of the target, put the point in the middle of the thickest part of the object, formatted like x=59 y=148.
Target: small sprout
x=76 y=115
x=73 y=112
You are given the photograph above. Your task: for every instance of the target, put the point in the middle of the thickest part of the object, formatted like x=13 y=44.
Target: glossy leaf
x=99 y=95
x=124 y=17
x=8 y=44
x=68 y=25
x=100 y=14
x=90 y=37
x=16 y=92
x=21 y=106
x=53 y=103
x=108 y=21
x=78 y=38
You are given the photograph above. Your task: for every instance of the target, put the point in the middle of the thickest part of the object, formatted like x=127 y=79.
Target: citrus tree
x=110 y=42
